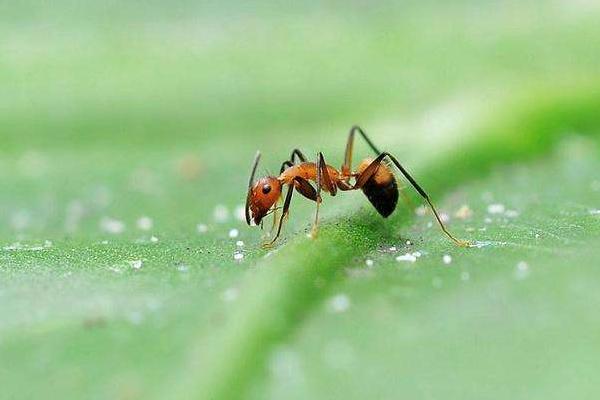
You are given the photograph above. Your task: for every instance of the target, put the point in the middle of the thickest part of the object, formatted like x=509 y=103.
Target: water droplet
x=136 y=264
x=408 y=257
x=221 y=213
x=464 y=212
x=496 y=208
x=20 y=220
x=183 y=268
x=522 y=270
x=136 y=317
x=153 y=239
x=202 y=228
x=285 y=366
x=112 y=225
x=234 y=233
x=238 y=256
x=230 y=294
x=240 y=213
x=369 y=262
x=447 y=259
x=511 y=213
x=144 y=223
x=240 y=243
x=421 y=211
x=339 y=303
x=444 y=217
x=465 y=276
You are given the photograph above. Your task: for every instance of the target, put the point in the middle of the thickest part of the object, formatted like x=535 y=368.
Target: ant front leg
x=286 y=209
x=372 y=169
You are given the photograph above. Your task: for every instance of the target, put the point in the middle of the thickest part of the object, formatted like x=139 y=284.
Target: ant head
x=262 y=195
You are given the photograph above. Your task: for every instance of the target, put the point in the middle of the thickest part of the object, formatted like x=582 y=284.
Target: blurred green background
x=127 y=130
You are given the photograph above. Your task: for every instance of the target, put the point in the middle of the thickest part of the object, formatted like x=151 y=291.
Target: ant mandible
x=374 y=177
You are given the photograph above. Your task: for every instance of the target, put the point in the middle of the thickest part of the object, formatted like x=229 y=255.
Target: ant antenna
x=250 y=184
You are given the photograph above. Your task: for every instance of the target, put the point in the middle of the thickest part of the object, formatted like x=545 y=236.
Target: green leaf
x=115 y=115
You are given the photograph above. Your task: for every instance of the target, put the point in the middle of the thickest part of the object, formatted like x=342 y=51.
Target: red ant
x=374 y=177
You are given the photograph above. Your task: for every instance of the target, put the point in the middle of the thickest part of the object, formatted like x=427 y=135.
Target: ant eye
x=266 y=189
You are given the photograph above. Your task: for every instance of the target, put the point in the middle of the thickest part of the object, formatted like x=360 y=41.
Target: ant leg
x=319 y=181
x=329 y=185
x=275 y=217
x=297 y=153
x=286 y=209
x=323 y=180
x=347 y=167
x=305 y=188
x=292 y=161
x=372 y=168
x=285 y=165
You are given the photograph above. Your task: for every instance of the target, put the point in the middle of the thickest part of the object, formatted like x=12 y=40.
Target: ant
x=373 y=176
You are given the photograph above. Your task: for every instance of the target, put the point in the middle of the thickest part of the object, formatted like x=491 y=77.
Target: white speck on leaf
x=230 y=294
x=408 y=257
x=464 y=212
x=522 y=270
x=339 y=303
x=144 y=223
x=511 y=213
x=444 y=217
x=112 y=225
x=238 y=256
x=234 y=233
x=240 y=213
x=136 y=264
x=421 y=211
x=202 y=228
x=447 y=259
x=183 y=268
x=496 y=208
x=369 y=262
x=221 y=213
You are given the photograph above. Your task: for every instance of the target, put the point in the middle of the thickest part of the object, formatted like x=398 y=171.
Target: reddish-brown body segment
x=308 y=171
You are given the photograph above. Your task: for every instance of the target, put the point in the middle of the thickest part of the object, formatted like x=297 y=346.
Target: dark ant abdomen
x=383 y=196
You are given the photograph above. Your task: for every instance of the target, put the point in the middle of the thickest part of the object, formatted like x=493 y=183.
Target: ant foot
x=464 y=243
x=267 y=245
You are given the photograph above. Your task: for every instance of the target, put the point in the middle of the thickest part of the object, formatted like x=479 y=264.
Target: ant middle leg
x=323 y=180
x=296 y=153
